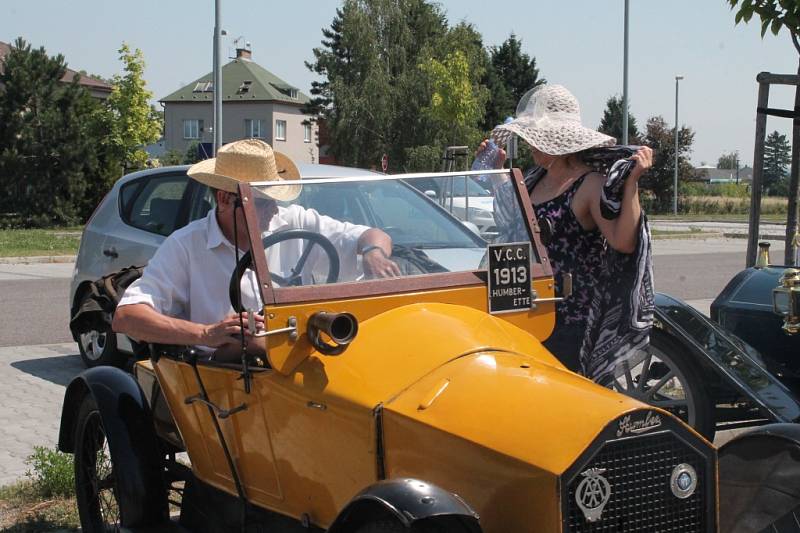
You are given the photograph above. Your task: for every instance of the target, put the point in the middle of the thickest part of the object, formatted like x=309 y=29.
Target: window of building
x=192 y=128
x=293 y=93
x=307 y=133
x=280 y=130
x=254 y=128
x=203 y=87
x=244 y=87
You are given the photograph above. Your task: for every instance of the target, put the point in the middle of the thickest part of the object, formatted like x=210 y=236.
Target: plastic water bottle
x=487 y=160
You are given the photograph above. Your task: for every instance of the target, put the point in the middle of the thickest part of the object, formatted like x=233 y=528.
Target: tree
x=775 y=15
x=373 y=91
x=777 y=157
x=659 y=179
x=50 y=141
x=133 y=122
x=456 y=103
x=510 y=75
x=611 y=123
x=728 y=161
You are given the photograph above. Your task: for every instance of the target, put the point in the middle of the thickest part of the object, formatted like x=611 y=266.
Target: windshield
x=323 y=231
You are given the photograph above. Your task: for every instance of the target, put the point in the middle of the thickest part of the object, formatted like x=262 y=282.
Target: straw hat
x=247 y=161
x=549 y=119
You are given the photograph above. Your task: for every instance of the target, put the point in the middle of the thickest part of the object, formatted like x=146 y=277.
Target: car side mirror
x=431 y=194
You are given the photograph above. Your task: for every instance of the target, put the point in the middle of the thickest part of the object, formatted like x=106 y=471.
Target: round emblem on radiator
x=593 y=494
x=683 y=481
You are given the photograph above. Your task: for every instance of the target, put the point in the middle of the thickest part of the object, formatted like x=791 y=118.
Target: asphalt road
x=34 y=304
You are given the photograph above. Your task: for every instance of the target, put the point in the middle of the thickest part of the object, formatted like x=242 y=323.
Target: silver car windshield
x=427 y=222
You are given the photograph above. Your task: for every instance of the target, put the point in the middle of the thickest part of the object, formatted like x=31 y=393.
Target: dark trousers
x=565 y=344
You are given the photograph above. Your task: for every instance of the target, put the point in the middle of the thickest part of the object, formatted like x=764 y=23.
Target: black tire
x=674 y=382
x=393 y=526
x=100 y=349
x=98 y=478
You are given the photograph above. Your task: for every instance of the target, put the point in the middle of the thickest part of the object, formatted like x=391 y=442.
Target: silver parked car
x=143 y=208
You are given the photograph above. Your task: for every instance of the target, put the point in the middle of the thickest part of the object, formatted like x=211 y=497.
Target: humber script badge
x=629 y=425
x=593 y=493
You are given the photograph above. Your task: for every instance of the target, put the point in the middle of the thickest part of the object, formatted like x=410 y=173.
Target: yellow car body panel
x=285 y=354
x=505 y=452
x=465 y=382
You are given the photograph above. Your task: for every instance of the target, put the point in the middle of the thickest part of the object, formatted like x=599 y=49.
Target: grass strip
x=31 y=242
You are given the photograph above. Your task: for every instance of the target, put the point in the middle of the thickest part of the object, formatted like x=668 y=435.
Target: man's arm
x=145 y=324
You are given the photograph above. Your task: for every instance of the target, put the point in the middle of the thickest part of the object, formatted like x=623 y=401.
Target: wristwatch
x=372 y=247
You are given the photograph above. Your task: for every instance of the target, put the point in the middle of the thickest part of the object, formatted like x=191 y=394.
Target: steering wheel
x=295 y=279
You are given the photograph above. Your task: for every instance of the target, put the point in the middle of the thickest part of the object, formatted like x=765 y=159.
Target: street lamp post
x=625 y=80
x=217 y=83
x=675 y=181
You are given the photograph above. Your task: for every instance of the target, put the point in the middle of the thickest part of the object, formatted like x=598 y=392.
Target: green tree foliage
x=456 y=103
x=382 y=63
x=511 y=74
x=728 y=161
x=777 y=157
x=373 y=91
x=611 y=123
x=50 y=141
x=659 y=179
x=133 y=123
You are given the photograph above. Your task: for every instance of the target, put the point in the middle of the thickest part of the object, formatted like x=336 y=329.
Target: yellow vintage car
x=421 y=403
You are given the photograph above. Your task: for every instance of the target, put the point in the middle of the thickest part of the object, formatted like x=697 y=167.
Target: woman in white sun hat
x=567 y=199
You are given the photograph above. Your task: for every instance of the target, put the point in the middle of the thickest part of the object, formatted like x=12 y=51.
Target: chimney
x=244 y=53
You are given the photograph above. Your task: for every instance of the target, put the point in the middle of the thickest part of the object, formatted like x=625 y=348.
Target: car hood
x=397 y=348
x=512 y=404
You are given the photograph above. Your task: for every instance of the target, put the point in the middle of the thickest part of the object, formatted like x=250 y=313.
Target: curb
x=763 y=237
x=697 y=235
x=37 y=259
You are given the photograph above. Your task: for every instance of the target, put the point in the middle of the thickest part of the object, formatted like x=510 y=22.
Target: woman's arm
x=622 y=233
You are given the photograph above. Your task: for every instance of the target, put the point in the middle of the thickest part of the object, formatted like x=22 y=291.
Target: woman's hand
x=501 y=154
x=644 y=160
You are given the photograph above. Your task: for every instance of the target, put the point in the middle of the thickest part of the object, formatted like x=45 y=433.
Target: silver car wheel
x=93 y=344
x=658 y=381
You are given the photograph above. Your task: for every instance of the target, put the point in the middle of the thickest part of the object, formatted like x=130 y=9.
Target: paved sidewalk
x=32 y=383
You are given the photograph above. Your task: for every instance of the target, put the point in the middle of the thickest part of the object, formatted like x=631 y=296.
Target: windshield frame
x=447 y=280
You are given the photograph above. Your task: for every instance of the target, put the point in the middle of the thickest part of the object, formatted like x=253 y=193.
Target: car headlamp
x=786 y=300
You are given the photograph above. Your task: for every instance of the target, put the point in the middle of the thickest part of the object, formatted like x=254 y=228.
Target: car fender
x=408 y=501
x=128 y=424
x=723 y=354
x=758 y=480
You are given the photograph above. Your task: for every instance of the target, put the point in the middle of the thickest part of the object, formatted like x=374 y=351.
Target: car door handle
x=111 y=252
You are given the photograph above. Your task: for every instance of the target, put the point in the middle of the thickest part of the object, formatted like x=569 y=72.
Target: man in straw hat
x=182 y=296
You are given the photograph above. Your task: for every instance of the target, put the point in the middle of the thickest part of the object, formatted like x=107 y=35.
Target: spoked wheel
x=670 y=379
x=95 y=483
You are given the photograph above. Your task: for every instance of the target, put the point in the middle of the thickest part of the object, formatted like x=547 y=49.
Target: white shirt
x=189 y=275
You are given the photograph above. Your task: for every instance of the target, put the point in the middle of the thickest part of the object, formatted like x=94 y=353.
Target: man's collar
x=214 y=237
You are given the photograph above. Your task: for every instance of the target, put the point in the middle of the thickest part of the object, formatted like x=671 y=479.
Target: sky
x=578 y=44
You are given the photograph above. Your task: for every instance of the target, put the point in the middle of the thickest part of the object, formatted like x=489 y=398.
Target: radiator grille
x=638 y=470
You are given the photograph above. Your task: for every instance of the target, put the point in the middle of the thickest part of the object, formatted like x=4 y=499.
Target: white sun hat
x=549 y=119
x=246 y=161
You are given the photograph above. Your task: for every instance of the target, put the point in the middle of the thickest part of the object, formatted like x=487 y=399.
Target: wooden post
x=794 y=178
x=758 y=169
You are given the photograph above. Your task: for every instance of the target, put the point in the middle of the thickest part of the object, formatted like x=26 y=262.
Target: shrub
x=52 y=472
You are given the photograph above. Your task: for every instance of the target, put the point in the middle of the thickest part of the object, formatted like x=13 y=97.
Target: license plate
x=509 y=277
